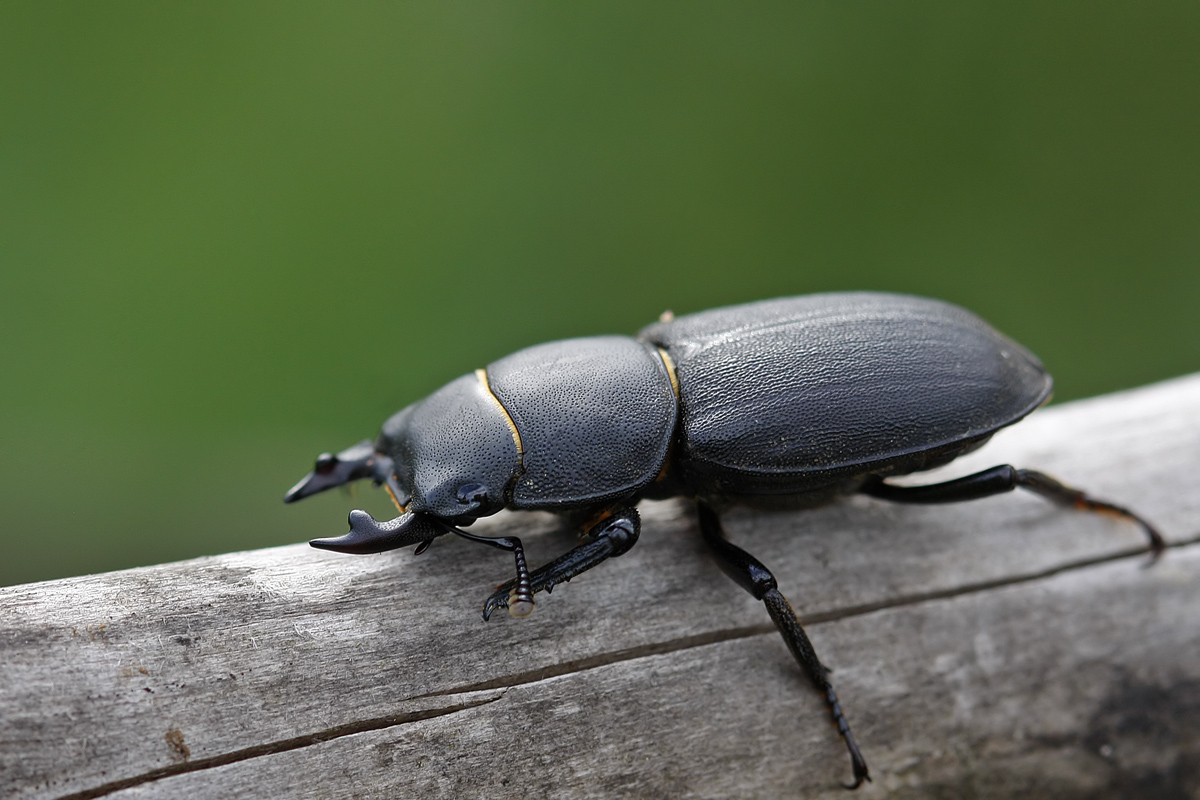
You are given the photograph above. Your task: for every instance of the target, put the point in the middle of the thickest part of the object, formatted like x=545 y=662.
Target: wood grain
x=980 y=649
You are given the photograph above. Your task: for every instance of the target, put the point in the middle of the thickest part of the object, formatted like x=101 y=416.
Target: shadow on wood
x=981 y=649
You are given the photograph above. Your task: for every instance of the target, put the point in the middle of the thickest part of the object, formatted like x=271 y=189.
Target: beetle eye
x=472 y=493
x=325 y=463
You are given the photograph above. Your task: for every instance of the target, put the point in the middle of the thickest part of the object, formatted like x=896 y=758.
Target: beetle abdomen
x=778 y=394
x=595 y=416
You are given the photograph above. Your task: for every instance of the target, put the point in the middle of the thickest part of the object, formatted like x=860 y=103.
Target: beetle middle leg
x=1005 y=478
x=750 y=573
x=608 y=538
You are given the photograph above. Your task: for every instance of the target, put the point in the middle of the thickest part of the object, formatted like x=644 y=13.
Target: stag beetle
x=786 y=403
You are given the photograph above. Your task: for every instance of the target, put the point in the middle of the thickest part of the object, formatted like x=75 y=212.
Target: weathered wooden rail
x=980 y=649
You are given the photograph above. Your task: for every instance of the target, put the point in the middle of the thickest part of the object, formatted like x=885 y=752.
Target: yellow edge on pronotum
x=512 y=426
x=395 y=499
x=670 y=365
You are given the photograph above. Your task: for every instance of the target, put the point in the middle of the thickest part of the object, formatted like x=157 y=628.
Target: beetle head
x=446 y=460
x=365 y=535
x=454 y=453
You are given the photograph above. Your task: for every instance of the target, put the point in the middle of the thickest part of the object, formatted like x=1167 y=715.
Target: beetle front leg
x=750 y=573
x=609 y=538
x=520 y=597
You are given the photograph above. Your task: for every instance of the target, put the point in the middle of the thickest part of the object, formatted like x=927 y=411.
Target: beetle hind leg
x=609 y=538
x=1052 y=490
x=750 y=573
x=1005 y=478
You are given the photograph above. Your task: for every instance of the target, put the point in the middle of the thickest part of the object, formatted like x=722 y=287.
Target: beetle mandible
x=786 y=403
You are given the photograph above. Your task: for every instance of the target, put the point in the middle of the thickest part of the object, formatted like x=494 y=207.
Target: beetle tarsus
x=520 y=599
x=752 y=575
x=1055 y=491
x=609 y=538
x=1005 y=478
x=523 y=602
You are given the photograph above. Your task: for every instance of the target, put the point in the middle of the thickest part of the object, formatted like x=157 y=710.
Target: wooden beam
x=981 y=649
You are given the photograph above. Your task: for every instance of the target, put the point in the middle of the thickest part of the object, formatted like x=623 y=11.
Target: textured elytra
x=596 y=416
x=822 y=383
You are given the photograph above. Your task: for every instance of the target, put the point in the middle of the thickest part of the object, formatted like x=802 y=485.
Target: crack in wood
x=984 y=586
x=604 y=659
x=271 y=748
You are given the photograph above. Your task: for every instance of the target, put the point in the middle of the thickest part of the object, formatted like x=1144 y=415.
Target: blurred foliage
x=235 y=234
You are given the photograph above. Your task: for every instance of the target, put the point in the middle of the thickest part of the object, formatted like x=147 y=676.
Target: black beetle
x=786 y=403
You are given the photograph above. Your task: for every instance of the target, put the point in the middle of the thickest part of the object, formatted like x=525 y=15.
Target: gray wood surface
x=980 y=649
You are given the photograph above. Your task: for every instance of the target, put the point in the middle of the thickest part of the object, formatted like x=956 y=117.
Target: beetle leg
x=1005 y=478
x=519 y=598
x=750 y=573
x=609 y=538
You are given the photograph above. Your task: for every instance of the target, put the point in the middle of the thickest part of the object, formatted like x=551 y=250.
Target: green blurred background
x=233 y=235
